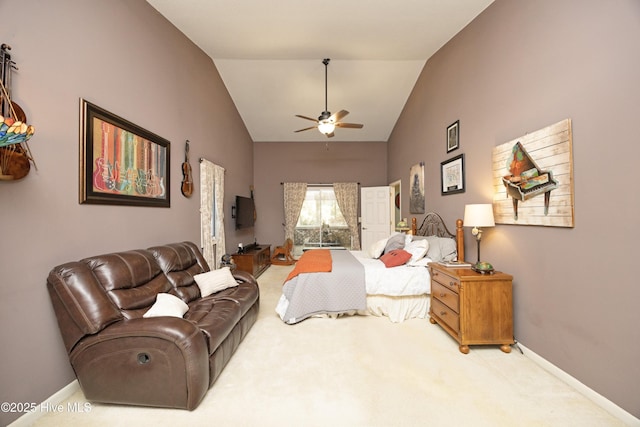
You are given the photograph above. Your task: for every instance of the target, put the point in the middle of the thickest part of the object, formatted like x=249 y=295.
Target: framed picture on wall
x=453 y=136
x=120 y=162
x=416 y=189
x=452 y=175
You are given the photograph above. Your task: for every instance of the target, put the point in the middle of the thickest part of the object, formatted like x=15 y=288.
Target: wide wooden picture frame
x=452 y=175
x=120 y=162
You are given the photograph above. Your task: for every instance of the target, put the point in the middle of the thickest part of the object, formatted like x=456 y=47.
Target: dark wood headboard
x=433 y=225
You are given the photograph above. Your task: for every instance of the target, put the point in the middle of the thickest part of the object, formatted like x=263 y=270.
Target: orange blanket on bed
x=312 y=261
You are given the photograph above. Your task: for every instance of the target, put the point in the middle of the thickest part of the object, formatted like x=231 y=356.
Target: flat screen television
x=245 y=212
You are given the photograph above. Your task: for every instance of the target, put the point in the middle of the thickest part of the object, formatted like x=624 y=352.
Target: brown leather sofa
x=121 y=357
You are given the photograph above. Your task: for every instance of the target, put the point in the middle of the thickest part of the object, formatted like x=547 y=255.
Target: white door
x=375 y=222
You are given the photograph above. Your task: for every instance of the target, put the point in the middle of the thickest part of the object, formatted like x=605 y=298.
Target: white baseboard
x=54 y=400
x=592 y=395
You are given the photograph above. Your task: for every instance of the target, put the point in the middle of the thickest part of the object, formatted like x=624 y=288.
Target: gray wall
x=311 y=162
x=518 y=67
x=125 y=57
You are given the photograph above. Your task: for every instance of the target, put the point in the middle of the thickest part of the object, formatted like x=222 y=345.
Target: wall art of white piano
x=533 y=178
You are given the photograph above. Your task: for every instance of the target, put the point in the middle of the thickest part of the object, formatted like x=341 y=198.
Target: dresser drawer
x=445 y=314
x=450 y=282
x=445 y=295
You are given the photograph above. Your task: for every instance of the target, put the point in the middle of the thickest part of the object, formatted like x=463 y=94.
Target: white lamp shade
x=478 y=215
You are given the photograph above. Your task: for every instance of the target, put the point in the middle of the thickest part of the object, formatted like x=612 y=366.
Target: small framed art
x=452 y=175
x=453 y=136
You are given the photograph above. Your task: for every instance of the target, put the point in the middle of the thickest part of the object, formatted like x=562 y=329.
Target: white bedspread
x=395 y=281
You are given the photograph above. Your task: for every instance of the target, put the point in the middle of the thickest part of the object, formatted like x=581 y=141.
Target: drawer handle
x=442 y=313
x=452 y=283
x=442 y=295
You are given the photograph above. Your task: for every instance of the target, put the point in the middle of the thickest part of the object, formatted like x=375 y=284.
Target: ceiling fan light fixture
x=326 y=127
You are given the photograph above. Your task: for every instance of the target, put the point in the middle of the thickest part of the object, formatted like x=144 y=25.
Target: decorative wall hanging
x=453 y=136
x=533 y=178
x=416 y=189
x=15 y=154
x=120 y=162
x=452 y=175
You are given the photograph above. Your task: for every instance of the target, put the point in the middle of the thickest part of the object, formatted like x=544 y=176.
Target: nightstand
x=474 y=308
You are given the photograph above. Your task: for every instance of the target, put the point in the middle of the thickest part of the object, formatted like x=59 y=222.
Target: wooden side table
x=474 y=308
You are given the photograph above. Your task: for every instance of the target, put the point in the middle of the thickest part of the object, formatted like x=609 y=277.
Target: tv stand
x=255 y=259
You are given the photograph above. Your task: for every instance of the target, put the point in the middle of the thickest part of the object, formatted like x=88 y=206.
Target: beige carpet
x=361 y=371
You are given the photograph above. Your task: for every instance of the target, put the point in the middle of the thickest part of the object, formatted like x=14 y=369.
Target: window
x=320 y=207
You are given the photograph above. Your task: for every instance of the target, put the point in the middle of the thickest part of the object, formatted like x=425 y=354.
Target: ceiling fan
x=327 y=122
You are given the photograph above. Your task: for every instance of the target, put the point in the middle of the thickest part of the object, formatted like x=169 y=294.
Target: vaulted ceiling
x=269 y=55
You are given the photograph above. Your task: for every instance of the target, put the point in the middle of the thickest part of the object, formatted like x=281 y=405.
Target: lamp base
x=482 y=267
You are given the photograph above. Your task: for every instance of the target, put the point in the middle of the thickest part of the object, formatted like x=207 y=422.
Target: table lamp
x=476 y=216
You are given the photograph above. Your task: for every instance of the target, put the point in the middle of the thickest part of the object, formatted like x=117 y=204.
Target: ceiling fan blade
x=300 y=130
x=307 y=118
x=339 y=115
x=349 y=125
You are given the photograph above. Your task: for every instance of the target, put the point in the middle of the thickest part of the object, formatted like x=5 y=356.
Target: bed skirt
x=399 y=308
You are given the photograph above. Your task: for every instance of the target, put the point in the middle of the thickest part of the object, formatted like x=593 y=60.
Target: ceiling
x=269 y=55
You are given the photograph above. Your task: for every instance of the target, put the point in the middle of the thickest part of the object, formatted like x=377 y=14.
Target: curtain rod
x=319 y=185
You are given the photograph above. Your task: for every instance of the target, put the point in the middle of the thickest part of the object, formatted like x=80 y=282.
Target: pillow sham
x=167 y=305
x=395 y=258
x=214 y=281
x=441 y=248
x=396 y=241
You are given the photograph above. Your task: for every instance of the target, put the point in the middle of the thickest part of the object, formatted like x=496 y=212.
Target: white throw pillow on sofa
x=215 y=281
x=167 y=305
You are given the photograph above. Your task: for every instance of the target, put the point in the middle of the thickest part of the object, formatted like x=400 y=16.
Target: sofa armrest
x=244 y=277
x=159 y=361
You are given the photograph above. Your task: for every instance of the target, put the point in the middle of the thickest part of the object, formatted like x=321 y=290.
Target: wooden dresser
x=474 y=308
x=254 y=260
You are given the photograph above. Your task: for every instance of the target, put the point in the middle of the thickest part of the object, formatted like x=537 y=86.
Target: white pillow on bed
x=214 y=281
x=376 y=250
x=417 y=249
x=167 y=305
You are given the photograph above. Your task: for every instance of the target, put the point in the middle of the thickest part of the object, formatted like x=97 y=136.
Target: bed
x=379 y=280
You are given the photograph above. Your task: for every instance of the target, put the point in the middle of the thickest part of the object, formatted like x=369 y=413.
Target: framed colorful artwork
x=120 y=162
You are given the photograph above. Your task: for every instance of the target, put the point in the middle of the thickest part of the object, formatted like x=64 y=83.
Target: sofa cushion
x=180 y=262
x=214 y=281
x=167 y=305
x=216 y=317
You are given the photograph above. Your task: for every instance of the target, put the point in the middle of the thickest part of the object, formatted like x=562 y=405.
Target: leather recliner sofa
x=121 y=357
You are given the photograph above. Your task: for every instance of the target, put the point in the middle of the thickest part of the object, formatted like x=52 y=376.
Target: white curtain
x=347 y=198
x=212 y=212
x=294 y=194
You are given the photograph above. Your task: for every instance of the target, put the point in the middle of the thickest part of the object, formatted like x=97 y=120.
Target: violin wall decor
x=187 y=180
x=15 y=155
